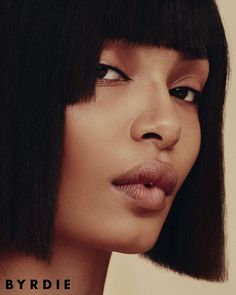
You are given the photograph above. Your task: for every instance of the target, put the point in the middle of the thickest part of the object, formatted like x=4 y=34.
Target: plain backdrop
x=132 y=275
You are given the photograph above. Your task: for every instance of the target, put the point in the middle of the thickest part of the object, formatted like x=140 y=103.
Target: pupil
x=181 y=92
x=101 y=71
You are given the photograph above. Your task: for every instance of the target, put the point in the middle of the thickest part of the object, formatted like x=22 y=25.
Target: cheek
x=85 y=203
x=85 y=141
x=187 y=149
x=191 y=136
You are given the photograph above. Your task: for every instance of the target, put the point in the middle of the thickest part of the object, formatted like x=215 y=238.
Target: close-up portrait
x=117 y=147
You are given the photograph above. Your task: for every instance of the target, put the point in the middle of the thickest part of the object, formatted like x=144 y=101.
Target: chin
x=137 y=248
x=132 y=244
x=137 y=239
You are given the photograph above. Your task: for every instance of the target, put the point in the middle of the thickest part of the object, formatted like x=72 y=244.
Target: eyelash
x=104 y=67
x=180 y=92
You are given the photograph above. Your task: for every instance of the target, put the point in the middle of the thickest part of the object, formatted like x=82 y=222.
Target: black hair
x=49 y=53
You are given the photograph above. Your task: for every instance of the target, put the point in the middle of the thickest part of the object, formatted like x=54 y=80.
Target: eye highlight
x=186 y=93
x=108 y=74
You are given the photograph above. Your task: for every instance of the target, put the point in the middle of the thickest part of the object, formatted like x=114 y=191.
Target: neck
x=73 y=269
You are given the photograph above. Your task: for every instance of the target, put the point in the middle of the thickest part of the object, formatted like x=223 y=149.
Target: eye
x=185 y=93
x=108 y=74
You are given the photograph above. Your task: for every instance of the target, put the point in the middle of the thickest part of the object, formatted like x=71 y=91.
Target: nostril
x=151 y=135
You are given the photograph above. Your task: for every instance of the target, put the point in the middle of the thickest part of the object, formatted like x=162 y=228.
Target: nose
x=157 y=121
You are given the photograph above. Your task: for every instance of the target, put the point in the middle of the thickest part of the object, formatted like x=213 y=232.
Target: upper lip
x=160 y=174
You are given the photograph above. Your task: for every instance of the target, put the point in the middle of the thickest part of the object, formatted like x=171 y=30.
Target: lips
x=148 y=184
x=158 y=174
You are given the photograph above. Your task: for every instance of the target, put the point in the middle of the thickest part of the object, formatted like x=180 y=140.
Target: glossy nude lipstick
x=148 y=184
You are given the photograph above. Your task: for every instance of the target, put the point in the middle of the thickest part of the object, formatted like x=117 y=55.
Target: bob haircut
x=49 y=53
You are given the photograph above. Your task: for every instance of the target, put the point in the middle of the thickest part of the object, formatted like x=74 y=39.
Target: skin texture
x=103 y=139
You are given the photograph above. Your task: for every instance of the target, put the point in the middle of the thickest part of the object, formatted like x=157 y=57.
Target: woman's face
x=128 y=150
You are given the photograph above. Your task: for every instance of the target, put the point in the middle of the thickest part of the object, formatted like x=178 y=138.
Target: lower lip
x=149 y=198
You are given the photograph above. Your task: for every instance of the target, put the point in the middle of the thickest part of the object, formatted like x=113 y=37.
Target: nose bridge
x=159 y=120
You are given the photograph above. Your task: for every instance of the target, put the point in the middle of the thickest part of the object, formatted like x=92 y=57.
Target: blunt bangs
x=49 y=53
x=182 y=25
x=191 y=27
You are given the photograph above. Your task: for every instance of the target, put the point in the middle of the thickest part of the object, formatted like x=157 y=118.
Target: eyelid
x=116 y=69
x=187 y=87
x=191 y=81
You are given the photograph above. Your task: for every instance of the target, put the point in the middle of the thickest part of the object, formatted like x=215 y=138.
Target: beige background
x=132 y=275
